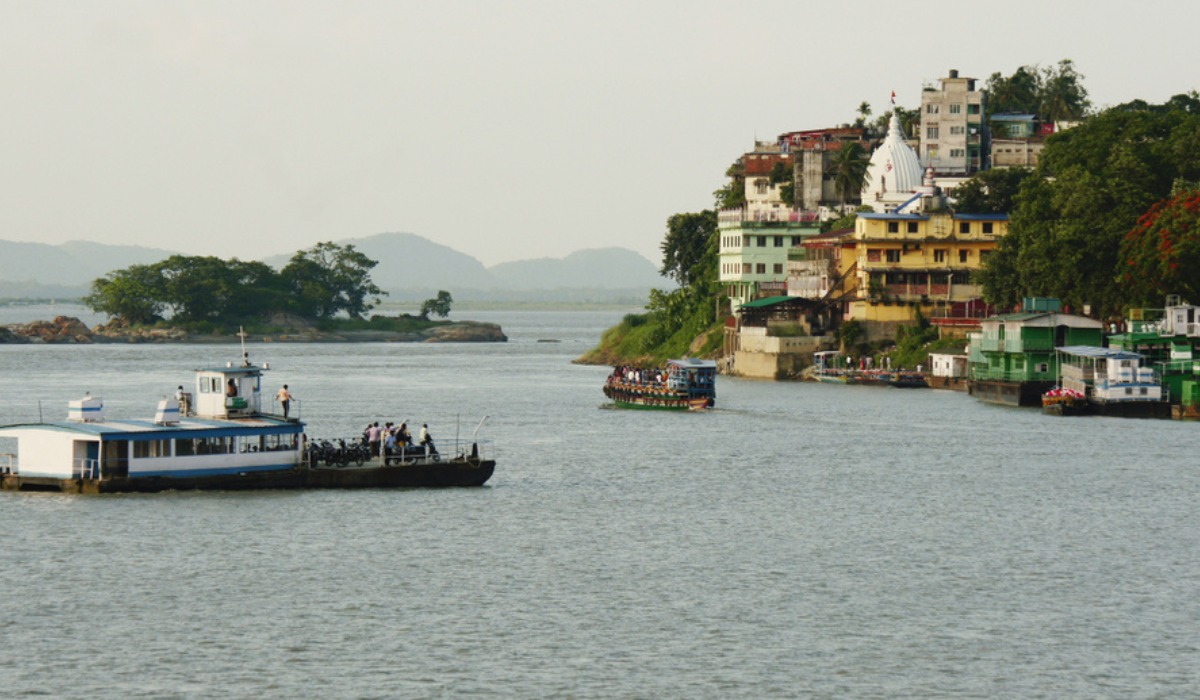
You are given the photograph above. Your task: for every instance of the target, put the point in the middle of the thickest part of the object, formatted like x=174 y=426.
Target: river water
x=801 y=540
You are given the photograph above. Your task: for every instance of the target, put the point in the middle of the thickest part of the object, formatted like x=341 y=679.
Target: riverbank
x=65 y=330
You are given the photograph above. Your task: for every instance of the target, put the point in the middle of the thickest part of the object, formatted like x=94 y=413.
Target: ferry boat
x=685 y=384
x=219 y=436
x=1108 y=382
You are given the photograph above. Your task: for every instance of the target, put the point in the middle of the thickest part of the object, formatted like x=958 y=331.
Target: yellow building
x=906 y=262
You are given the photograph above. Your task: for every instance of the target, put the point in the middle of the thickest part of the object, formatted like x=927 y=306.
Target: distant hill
x=604 y=268
x=410 y=268
x=70 y=265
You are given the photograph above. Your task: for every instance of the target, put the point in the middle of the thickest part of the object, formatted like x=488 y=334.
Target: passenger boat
x=685 y=384
x=1107 y=382
x=217 y=437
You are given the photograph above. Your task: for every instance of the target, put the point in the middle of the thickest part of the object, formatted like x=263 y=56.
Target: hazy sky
x=503 y=129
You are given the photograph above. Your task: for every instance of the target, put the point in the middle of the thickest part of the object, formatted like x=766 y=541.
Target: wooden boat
x=687 y=384
x=217 y=437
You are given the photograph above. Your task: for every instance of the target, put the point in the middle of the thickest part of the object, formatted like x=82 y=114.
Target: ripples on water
x=801 y=540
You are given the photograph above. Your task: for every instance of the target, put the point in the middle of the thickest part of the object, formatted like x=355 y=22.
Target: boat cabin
x=1108 y=374
x=233 y=391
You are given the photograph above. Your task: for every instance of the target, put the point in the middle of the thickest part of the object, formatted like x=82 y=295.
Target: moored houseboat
x=684 y=384
x=1012 y=359
x=1107 y=382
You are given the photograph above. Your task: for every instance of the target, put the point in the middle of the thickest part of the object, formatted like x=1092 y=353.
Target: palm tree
x=849 y=165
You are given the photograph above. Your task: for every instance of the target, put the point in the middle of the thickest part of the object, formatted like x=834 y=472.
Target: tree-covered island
x=323 y=293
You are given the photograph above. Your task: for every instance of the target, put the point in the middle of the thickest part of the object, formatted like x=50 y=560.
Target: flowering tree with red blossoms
x=1161 y=255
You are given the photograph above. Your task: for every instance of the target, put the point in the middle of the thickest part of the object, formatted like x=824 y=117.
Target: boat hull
x=1009 y=393
x=440 y=474
x=661 y=404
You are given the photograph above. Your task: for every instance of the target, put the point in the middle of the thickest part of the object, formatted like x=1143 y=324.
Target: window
x=745 y=268
x=760 y=186
x=893 y=227
x=931 y=132
x=939 y=255
x=143 y=449
x=956 y=109
x=795 y=241
x=963 y=255
x=779 y=268
x=893 y=256
x=931 y=153
x=958 y=153
x=972 y=109
x=761 y=268
x=931 y=109
x=778 y=241
x=912 y=227
x=987 y=227
x=964 y=227
x=762 y=241
x=958 y=130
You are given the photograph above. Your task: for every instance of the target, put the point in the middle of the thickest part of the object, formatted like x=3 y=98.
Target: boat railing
x=89 y=468
x=294 y=410
x=8 y=463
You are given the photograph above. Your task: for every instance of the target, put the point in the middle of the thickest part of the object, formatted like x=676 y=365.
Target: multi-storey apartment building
x=754 y=252
x=813 y=151
x=910 y=262
x=953 y=132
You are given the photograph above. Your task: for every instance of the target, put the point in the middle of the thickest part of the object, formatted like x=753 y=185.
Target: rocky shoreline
x=65 y=330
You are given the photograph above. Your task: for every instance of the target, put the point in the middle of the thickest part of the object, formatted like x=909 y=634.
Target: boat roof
x=1045 y=318
x=149 y=430
x=693 y=363
x=234 y=369
x=1101 y=353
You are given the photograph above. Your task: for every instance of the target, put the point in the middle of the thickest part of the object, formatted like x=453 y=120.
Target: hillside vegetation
x=677 y=323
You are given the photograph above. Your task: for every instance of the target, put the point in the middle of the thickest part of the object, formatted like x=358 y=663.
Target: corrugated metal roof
x=1104 y=353
x=112 y=428
x=769 y=301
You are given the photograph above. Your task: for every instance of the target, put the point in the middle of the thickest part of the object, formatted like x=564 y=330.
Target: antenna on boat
x=40 y=419
x=245 y=355
x=478 y=427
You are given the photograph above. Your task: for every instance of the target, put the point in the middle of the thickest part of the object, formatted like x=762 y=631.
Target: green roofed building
x=1012 y=360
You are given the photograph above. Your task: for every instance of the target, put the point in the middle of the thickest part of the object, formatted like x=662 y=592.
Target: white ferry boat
x=1106 y=381
x=217 y=436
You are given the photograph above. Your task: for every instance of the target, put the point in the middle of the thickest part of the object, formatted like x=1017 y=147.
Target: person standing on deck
x=373 y=434
x=285 y=400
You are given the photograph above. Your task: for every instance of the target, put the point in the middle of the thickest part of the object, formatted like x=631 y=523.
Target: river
x=801 y=540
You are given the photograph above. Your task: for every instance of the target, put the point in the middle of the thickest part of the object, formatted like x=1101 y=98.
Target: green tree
x=134 y=295
x=864 y=113
x=685 y=245
x=328 y=279
x=439 y=306
x=990 y=191
x=732 y=195
x=198 y=288
x=849 y=164
x=1065 y=231
x=1062 y=96
x=1019 y=93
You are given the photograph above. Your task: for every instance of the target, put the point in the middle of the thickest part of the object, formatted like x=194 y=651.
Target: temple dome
x=894 y=172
